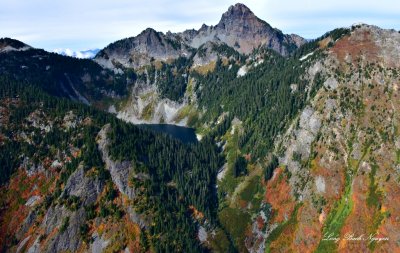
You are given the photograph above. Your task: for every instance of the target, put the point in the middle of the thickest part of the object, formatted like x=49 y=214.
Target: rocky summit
x=241 y=29
x=238 y=28
x=297 y=150
x=138 y=51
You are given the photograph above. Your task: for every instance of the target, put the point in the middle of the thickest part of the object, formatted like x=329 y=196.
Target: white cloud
x=93 y=24
x=77 y=54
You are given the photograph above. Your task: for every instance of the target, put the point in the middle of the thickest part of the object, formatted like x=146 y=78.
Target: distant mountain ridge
x=85 y=54
x=238 y=28
x=141 y=50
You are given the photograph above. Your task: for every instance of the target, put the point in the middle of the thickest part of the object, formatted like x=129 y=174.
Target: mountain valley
x=298 y=142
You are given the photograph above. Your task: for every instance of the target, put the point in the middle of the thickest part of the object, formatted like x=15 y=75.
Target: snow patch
x=258 y=63
x=242 y=71
x=199 y=137
x=306 y=56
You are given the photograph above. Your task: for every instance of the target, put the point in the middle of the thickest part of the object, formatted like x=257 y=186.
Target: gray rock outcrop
x=86 y=188
x=239 y=28
x=119 y=171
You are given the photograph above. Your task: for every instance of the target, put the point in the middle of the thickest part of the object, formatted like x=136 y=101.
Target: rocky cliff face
x=211 y=51
x=141 y=50
x=339 y=162
x=54 y=201
x=119 y=171
x=238 y=28
x=232 y=40
x=146 y=105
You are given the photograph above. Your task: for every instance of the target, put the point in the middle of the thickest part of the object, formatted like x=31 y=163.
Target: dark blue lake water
x=184 y=134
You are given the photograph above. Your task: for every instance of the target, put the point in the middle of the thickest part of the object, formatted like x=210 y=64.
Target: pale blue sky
x=87 y=24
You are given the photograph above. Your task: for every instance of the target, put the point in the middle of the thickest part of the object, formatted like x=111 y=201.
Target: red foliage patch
x=360 y=43
x=196 y=213
x=279 y=196
x=260 y=223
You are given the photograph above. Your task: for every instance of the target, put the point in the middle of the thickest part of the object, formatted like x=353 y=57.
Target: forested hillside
x=297 y=140
x=52 y=166
x=78 y=79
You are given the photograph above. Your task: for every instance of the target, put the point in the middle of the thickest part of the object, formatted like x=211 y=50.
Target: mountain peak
x=239 y=28
x=7 y=44
x=9 y=41
x=148 y=31
x=239 y=7
x=240 y=19
x=150 y=36
x=238 y=12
